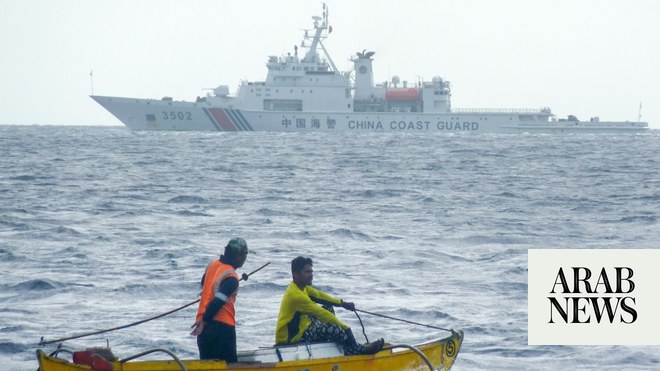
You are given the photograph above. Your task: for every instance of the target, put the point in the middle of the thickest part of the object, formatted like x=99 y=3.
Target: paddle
x=244 y=277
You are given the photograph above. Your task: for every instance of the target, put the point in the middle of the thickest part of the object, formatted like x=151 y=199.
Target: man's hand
x=197 y=328
x=348 y=305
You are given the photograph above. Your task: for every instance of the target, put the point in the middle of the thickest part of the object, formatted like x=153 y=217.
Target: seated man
x=302 y=320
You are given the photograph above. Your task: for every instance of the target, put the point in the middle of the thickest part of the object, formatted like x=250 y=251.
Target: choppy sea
x=102 y=227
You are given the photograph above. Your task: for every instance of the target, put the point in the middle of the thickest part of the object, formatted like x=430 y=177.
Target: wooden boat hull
x=441 y=353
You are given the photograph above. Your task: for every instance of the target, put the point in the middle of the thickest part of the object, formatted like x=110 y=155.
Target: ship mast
x=312 y=56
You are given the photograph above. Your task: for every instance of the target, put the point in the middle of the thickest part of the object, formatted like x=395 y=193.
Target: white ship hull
x=151 y=114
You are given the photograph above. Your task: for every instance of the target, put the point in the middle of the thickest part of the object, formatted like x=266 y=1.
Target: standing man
x=302 y=320
x=215 y=325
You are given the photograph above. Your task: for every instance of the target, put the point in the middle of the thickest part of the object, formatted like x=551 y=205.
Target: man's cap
x=236 y=245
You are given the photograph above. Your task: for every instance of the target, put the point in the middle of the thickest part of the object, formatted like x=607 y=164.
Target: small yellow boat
x=436 y=354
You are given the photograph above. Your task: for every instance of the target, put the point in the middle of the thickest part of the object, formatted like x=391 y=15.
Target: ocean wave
x=273 y=199
x=14 y=225
x=367 y=194
x=301 y=235
x=411 y=314
x=131 y=213
x=15 y=311
x=344 y=232
x=17 y=210
x=13 y=348
x=187 y=200
x=390 y=237
x=10 y=329
x=436 y=257
x=149 y=242
x=8 y=256
x=192 y=213
x=107 y=206
x=161 y=253
x=507 y=195
x=269 y=287
x=135 y=288
x=512 y=287
x=24 y=178
x=270 y=212
x=492 y=240
x=503 y=255
x=646 y=219
x=35 y=285
x=648 y=198
x=517 y=352
x=417 y=264
x=637 y=358
x=66 y=231
x=516 y=270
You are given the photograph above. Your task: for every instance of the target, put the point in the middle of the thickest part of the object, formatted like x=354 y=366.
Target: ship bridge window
x=282 y=105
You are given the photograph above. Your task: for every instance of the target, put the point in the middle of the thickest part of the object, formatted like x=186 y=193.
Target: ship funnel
x=364 y=76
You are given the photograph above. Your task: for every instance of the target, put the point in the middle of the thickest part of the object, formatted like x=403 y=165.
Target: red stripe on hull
x=221 y=117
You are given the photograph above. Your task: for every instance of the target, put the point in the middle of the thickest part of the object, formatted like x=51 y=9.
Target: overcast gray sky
x=581 y=57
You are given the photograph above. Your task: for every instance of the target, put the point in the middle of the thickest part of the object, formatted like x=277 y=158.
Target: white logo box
x=567 y=317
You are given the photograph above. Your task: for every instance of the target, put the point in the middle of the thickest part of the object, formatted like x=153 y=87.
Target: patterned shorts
x=320 y=331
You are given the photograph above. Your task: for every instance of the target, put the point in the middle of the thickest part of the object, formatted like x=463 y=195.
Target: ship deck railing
x=536 y=111
x=604 y=123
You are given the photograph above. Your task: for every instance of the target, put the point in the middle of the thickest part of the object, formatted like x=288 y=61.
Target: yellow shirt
x=296 y=307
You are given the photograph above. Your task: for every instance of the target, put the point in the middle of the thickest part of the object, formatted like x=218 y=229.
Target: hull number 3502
x=177 y=115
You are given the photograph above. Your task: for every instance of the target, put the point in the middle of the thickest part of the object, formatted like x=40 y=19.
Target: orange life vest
x=216 y=272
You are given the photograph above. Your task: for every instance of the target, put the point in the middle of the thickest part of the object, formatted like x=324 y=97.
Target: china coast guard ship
x=310 y=94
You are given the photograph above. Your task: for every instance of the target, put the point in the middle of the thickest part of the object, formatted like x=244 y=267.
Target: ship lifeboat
x=404 y=94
